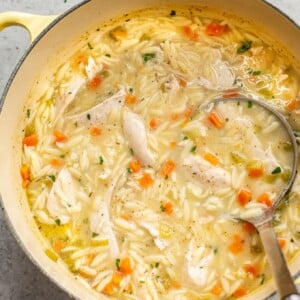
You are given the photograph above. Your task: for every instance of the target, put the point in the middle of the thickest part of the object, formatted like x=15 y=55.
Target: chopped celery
x=237 y=157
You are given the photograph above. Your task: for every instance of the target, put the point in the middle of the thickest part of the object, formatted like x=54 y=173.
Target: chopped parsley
x=57 y=222
x=131 y=90
x=101 y=161
x=256 y=73
x=52 y=177
x=28 y=112
x=94 y=234
x=131 y=151
x=277 y=170
x=157 y=265
x=185 y=138
x=173 y=13
x=88 y=116
x=148 y=56
x=245 y=46
x=108 y=55
x=129 y=171
x=193 y=149
x=90 y=46
x=117 y=263
x=162 y=208
x=250 y=104
x=262 y=279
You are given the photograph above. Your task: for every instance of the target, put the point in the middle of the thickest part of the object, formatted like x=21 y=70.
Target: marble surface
x=19 y=278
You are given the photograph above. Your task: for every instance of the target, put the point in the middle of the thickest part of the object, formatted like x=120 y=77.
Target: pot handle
x=34 y=24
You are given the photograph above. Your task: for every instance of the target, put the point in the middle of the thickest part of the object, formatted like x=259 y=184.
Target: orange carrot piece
x=188 y=112
x=95 y=83
x=191 y=34
x=182 y=82
x=108 y=289
x=244 y=196
x=173 y=144
x=117 y=278
x=95 y=131
x=265 y=199
x=255 y=172
x=56 y=163
x=231 y=95
x=120 y=34
x=125 y=217
x=135 y=166
x=175 y=284
x=237 y=244
x=168 y=207
x=281 y=242
x=211 y=158
x=153 y=123
x=130 y=99
x=216 y=119
x=90 y=258
x=174 y=117
x=125 y=266
x=146 y=180
x=249 y=227
x=167 y=168
x=25 y=172
x=239 y=292
x=217 y=289
x=59 y=245
x=59 y=136
x=252 y=269
x=80 y=59
x=216 y=29
x=292 y=104
x=30 y=140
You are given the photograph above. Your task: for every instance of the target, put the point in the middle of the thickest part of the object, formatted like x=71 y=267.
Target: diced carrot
x=237 y=244
x=117 y=278
x=119 y=33
x=173 y=144
x=255 y=172
x=146 y=180
x=175 y=284
x=292 y=104
x=130 y=99
x=265 y=199
x=174 y=117
x=167 y=168
x=95 y=131
x=281 y=242
x=125 y=266
x=239 y=292
x=211 y=158
x=153 y=123
x=216 y=119
x=80 y=59
x=94 y=83
x=59 y=136
x=216 y=29
x=244 y=196
x=25 y=172
x=57 y=163
x=168 y=207
x=108 y=289
x=217 y=289
x=59 y=245
x=125 y=217
x=182 y=82
x=188 y=112
x=252 y=269
x=30 y=140
x=249 y=227
x=190 y=33
x=135 y=166
x=231 y=95
x=90 y=258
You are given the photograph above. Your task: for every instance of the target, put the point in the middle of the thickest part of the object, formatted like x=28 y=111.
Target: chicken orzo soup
x=129 y=180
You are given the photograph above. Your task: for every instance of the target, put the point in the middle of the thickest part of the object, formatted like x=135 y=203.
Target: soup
x=126 y=175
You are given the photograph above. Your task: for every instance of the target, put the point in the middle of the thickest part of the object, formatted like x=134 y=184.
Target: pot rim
x=2 y=100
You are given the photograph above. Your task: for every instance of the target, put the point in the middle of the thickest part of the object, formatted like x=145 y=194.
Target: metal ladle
x=264 y=223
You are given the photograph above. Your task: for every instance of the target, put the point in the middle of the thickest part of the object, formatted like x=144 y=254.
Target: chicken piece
x=92 y=68
x=62 y=202
x=135 y=131
x=99 y=113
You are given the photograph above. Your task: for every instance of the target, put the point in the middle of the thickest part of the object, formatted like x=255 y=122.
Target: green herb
x=94 y=234
x=101 y=161
x=148 y=56
x=277 y=170
x=255 y=73
x=142 y=281
x=52 y=177
x=215 y=251
x=62 y=156
x=193 y=149
x=65 y=1
x=250 y=104
x=185 y=138
x=90 y=46
x=238 y=103
x=108 y=55
x=129 y=171
x=262 y=279
x=88 y=116
x=245 y=46
x=157 y=265
x=131 y=151
x=162 y=208
x=173 y=13
x=57 y=221
x=28 y=112
x=131 y=90
x=118 y=263
x=235 y=81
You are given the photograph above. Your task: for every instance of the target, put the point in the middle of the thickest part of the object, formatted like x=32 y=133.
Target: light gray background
x=19 y=278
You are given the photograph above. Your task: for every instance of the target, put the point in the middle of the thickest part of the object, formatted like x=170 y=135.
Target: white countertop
x=19 y=278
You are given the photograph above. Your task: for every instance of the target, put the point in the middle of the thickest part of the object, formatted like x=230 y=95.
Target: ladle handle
x=281 y=274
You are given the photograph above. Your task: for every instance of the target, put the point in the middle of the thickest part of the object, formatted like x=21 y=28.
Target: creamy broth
x=129 y=178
